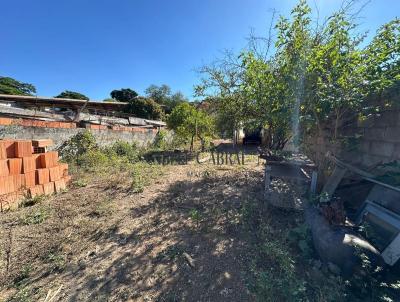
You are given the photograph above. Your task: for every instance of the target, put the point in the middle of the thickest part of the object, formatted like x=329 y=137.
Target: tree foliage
x=124 y=94
x=145 y=108
x=319 y=77
x=72 y=95
x=138 y=106
x=163 y=96
x=189 y=123
x=13 y=87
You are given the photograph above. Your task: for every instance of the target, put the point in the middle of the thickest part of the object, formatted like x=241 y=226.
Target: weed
x=77 y=145
x=23 y=275
x=79 y=183
x=195 y=215
x=170 y=253
x=36 y=217
x=57 y=262
x=30 y=201
x=22 y=295
x=124 y=149
x=301 y=235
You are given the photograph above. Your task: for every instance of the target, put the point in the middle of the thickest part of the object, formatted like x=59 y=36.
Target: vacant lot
x=194 y=233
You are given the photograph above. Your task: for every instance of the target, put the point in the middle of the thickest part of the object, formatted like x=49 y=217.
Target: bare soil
x=179 y=240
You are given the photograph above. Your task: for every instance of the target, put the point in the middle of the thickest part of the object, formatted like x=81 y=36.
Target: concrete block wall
x=368 y=143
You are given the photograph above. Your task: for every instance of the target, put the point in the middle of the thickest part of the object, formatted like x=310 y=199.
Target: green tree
x=189 y=123
x=11 y=86
x=145 y=108
x=124 y=94
x=67 y=94
x=163 y=96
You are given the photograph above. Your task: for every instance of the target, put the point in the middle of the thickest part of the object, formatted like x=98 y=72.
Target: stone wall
x=366 y=144
x=141 y=137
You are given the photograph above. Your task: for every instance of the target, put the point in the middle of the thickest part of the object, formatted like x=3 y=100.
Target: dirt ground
x=179 y=240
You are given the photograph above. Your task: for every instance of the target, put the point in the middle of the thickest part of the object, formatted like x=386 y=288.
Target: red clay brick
x=5 y=121
x=42 y=142
x=49 y=159
x=67 y=179
x=19 y=181
x=26 y=123
x=30 y=179
x=60 y=185
x=43 y=176
x=55 y=173
x=49 y=188
x=28 y=164
x=15 y=166
x=7 y=149
x=37 y=159
x=4 y=170
x=7 y=185
x=63 y=169
x=36 y=190
x=23 y=148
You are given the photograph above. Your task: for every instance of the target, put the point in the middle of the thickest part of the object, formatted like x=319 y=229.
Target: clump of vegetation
x=30 y=201
x=190 y=123
x=125 y=149
x=317 y=78
x=36 y=217
x=78 y=145
x=121 y=161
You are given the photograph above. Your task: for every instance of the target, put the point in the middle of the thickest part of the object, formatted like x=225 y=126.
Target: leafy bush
x=36 y=217
x=92 y=158
x=77 y=145
x=129 y=150
x=160 y=141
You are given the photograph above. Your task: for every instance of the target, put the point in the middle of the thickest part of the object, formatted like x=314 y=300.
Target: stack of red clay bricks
x=26 y=173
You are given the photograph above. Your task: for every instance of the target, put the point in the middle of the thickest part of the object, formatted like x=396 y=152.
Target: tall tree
x=145 y=108
x=189 y=123
x=11 y=86
x=124 y=94
x=163 y=95
x=67 y=94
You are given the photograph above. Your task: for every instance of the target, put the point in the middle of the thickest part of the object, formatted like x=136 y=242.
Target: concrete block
x=387 y=118
x=377 y=133
x=392 y=134
x=369 y=160
x=380 y=148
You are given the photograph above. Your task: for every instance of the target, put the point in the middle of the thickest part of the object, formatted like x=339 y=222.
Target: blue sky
x=95 y=46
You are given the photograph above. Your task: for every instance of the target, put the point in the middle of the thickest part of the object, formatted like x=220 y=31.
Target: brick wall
x=365 y=144
x=59 y=132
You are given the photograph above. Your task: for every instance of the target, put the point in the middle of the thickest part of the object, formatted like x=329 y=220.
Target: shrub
x=160 y=141
x=92 y=158
x=129 y=150
x=36 y=217
x=77 y=145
